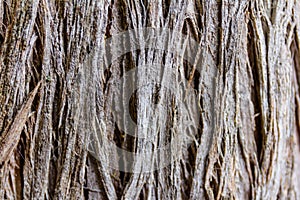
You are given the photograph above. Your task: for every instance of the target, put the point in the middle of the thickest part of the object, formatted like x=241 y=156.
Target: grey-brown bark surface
x=244 y=111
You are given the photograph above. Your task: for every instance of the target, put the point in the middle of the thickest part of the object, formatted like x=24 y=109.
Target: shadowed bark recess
x=234 y=112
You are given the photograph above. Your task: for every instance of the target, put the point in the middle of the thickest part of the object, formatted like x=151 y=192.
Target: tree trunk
x=149 y=99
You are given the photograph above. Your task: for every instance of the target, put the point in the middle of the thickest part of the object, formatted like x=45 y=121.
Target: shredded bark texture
x=241 y=98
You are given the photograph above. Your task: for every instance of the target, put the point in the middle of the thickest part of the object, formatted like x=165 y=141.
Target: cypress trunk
x=126 y=99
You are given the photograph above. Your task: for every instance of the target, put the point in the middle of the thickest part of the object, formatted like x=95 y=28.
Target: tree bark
x=219 y=121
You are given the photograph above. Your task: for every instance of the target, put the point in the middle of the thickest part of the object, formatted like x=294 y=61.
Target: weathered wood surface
x=245 y=113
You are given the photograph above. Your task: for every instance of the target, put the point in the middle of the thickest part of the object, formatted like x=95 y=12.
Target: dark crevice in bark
x=192 y=73
x=65 y=38
x=190 y=27
x=196 y=81
x=144 y=5
x=1 y=38
x=200 y=17
x=255 y=90
x=123 y=15
x=296 y=66
x=109 y=22
x=22 y=160
x=166 y=9
x=85 y=186
x=190 y=166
